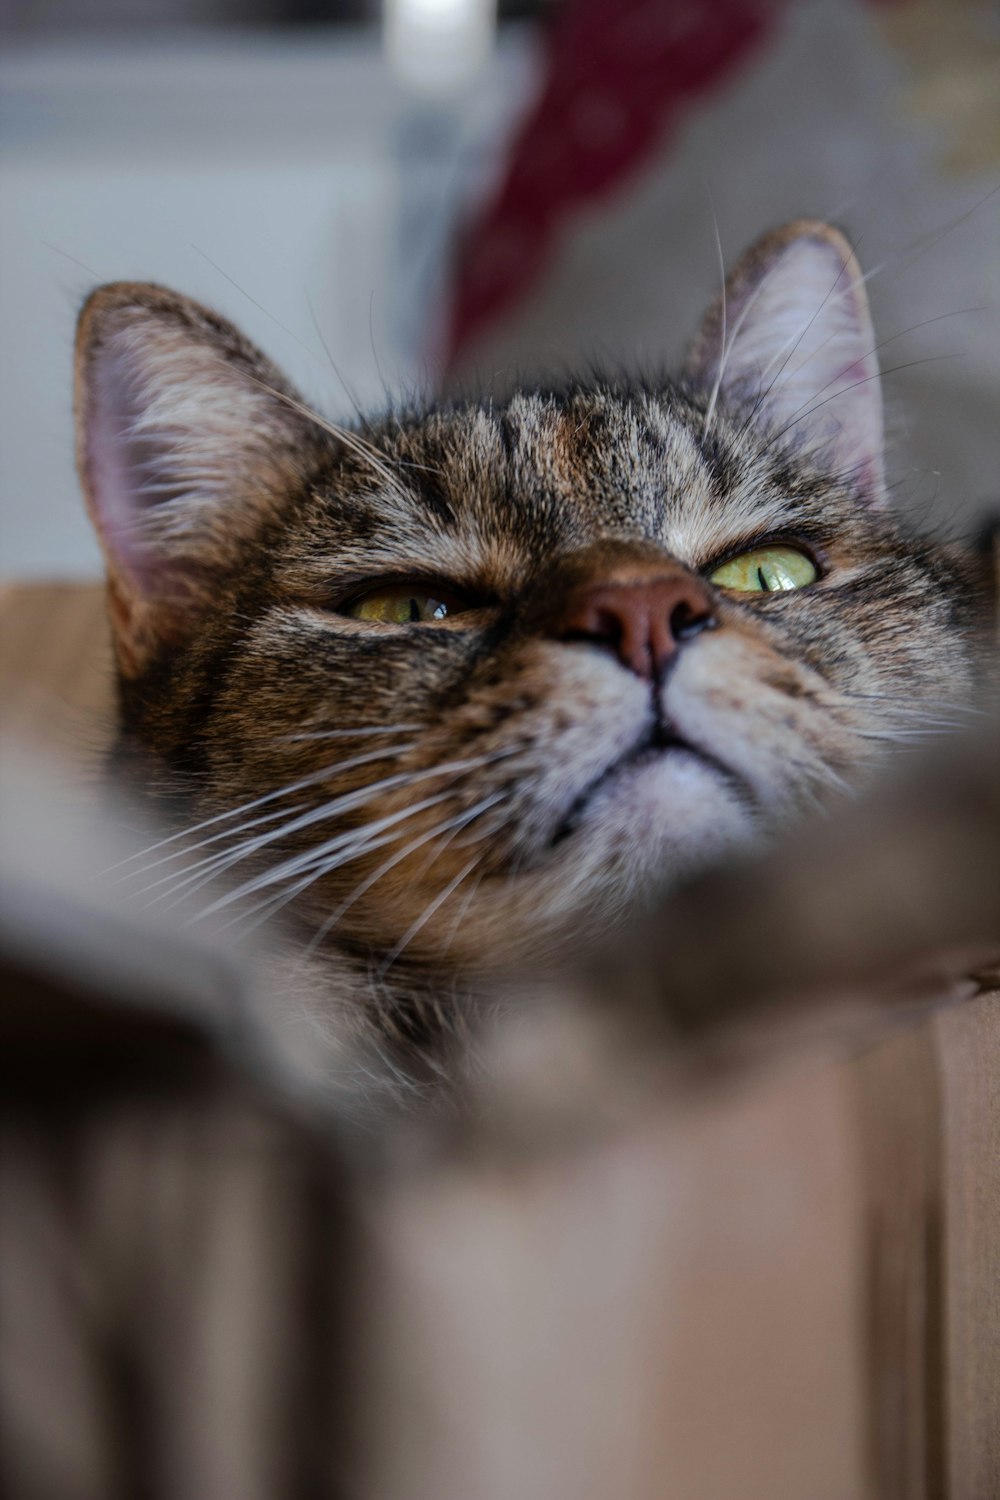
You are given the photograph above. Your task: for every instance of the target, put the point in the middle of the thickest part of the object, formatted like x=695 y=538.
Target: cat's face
x=484 y=678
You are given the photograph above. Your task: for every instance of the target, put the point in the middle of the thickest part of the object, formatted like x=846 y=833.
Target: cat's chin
x=652 y=822
x=655 y=785
x=657 y=819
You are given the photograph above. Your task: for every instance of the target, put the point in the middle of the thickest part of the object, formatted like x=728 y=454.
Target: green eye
x=766 y=570
x=404 y=604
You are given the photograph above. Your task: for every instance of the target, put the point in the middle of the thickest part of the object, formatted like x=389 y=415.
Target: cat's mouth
x=660 y=741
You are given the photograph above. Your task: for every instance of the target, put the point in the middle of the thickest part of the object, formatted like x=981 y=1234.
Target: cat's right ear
x=791 y=343
x=188 y=441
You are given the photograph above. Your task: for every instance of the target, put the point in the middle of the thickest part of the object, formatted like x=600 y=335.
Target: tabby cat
x=471 y=682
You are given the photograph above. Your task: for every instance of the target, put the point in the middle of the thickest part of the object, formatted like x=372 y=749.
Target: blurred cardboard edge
x=56 y=676
x=59 y=930
x=110 y=969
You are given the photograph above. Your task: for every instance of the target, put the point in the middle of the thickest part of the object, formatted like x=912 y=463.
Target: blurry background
x=391 y=197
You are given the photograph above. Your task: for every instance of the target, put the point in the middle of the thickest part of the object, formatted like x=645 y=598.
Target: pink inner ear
x=801 y=348
x=187 y=435
x=122 y=468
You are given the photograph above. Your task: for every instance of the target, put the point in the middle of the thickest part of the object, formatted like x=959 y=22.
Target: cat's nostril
x=687 y=621
x=643 y=623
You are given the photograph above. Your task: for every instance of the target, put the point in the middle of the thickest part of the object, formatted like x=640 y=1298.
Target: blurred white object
x=437 y=46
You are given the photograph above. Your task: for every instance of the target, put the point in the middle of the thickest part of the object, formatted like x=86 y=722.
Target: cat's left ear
x=792 y=342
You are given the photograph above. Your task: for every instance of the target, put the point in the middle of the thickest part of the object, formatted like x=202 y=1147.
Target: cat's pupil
x=766 y=570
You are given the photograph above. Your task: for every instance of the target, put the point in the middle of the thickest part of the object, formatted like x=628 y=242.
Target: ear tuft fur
x=188 y=442
x=792 y=341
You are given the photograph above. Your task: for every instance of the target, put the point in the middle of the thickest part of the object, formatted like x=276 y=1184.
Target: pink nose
x=643 y=622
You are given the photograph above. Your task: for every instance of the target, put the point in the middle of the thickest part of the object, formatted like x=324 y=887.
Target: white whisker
x=214 y=838
x=807 y=410
x=459 y=821
x=462 y=911
x=304 y=819
x=333 y=734
x=297 y=863
x=793 y=344
x=355 y=837
x=353 y=442
x=312 y=779
x=710 y=412
x=345 y=848
x=428 y=912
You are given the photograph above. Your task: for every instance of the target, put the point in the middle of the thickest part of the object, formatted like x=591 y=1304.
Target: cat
x=466 y=686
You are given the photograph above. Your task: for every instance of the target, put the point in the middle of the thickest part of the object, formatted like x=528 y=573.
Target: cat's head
x=477 y=677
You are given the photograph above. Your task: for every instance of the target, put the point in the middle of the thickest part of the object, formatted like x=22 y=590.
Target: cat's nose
x=643 y=621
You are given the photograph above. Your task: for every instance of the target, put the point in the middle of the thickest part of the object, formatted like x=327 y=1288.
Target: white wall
x=300 y=168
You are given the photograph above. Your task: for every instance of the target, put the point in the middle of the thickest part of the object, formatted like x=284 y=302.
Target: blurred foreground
x=719 y=1220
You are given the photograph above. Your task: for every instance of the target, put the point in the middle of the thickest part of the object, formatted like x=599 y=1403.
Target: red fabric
x=620 y=76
